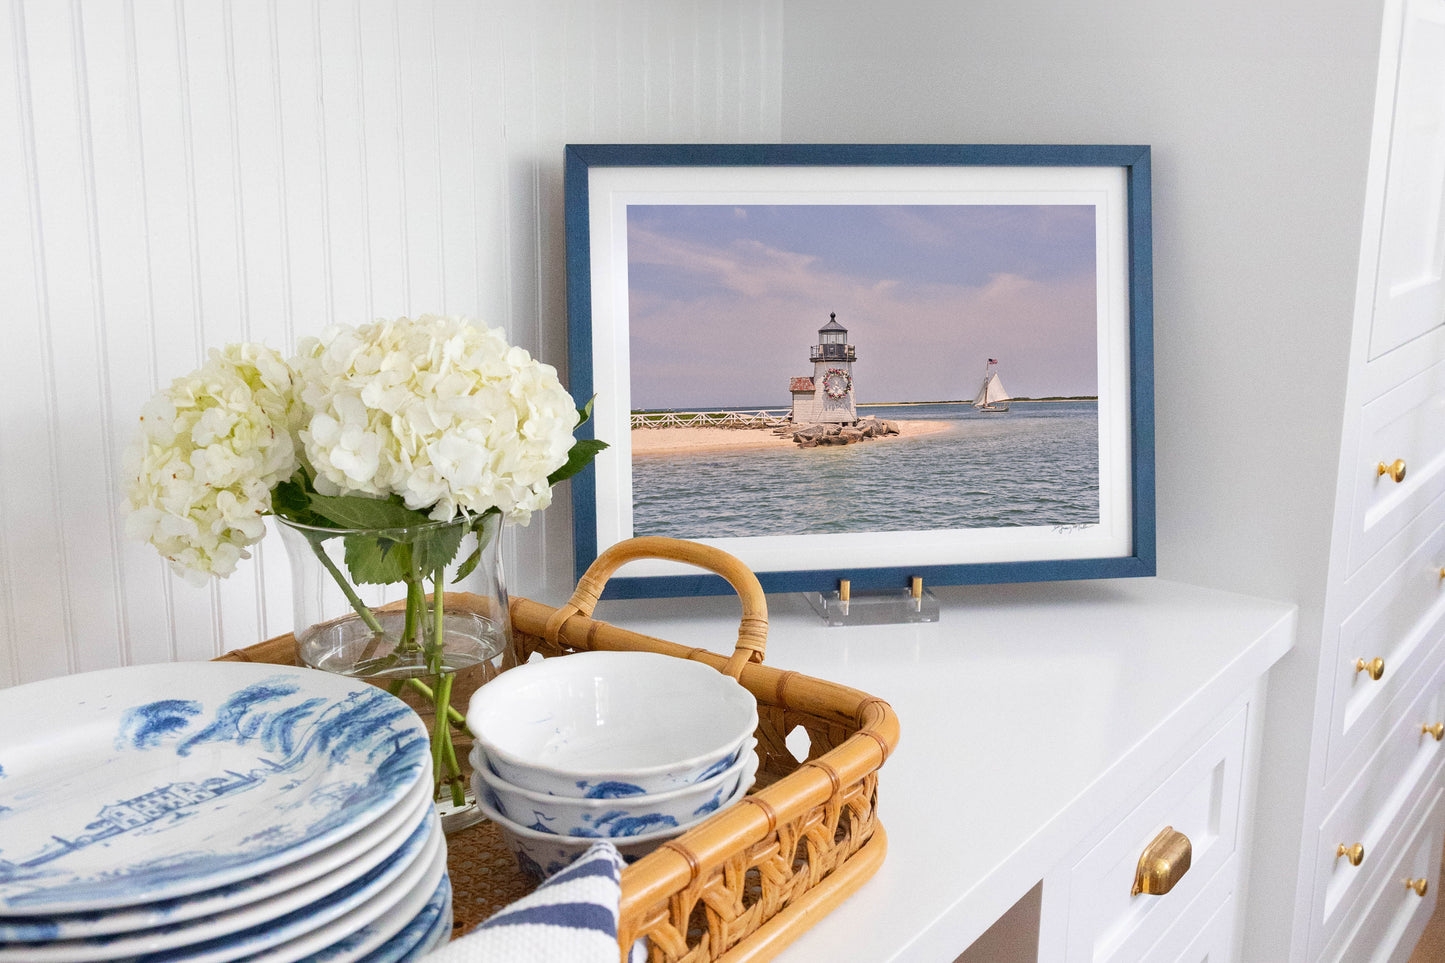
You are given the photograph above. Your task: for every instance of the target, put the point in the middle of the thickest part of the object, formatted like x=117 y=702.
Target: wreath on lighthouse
x=837 y=383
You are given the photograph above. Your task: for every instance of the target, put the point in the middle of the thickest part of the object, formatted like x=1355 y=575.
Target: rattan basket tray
x=747 y=881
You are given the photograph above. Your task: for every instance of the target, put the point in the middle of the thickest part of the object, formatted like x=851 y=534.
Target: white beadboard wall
x=179 y=174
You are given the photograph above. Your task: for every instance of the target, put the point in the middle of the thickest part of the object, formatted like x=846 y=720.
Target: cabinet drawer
x=1400 y=623
x=1199 y=799
x=1204 y=932
x=1393 y=917
x=1407 y=425
x=1372 y=808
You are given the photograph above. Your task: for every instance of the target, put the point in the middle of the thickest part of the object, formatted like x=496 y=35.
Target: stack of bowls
x=636 y=747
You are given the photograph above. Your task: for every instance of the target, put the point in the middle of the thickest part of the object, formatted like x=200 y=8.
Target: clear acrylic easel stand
x=890 y=607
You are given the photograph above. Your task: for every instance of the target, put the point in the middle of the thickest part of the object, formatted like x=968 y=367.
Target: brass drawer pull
x=1375 y=668
x=1437 y=730
x=1421 y=886
x=1396 y=470
x=1163 y=863
x=1355 y=854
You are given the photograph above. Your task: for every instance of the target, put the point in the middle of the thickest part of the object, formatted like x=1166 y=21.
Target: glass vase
x=365 y=605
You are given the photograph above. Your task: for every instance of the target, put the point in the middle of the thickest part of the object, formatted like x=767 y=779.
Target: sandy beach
x=675 y=441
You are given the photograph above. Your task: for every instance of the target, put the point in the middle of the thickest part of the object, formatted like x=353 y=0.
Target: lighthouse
x=827 y=396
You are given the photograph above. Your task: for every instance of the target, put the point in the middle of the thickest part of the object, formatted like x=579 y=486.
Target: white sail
x=992 y=391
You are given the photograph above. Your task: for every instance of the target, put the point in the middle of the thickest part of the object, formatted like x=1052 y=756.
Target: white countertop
x=1014 y=709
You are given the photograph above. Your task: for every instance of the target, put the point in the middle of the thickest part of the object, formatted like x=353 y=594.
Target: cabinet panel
x=1410 y=285
x=1403 y=427
x=1400 y=624
x=1204 y=933
x=1393 y=917
x=1201 y=800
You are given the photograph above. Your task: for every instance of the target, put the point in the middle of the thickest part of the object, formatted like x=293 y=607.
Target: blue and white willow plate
x=331 y=868
x=428 y=930
x=145 y=783
x=248 y=928
x=351 y=938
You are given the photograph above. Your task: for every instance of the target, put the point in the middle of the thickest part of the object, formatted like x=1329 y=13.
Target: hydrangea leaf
x=290 y=500
x=578 y=458
x=377 y=561
x=359 y=511
x=483 y=537
x=434 y=549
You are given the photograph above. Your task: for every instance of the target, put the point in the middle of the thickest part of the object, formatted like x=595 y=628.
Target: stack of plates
x=216 y=811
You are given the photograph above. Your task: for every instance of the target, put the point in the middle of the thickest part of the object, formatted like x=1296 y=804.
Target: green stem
x=459 y=786
x=361 y=609
x=444 y=754
x=408 y=624
x=425 y=691
x=415 y=607
x=438 y=618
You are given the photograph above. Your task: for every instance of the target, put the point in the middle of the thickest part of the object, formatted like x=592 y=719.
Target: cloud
x=744 y=266
x=727 y=321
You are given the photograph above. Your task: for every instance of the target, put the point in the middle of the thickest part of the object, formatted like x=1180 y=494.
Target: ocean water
x=1037 y=464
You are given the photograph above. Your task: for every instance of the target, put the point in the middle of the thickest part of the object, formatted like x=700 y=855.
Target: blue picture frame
x=590 y=178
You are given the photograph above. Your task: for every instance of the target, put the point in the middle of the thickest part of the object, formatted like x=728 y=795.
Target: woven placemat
x=484 y=875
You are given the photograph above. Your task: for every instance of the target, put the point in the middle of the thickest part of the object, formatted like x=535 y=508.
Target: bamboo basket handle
x=752 y=632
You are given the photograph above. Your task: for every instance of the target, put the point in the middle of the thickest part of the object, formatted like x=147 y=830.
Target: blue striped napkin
x=570 y=918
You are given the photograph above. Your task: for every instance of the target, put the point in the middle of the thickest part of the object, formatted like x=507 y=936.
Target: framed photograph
x=864 y=362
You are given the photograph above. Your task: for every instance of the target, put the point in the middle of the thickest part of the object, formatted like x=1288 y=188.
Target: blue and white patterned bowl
x=620 y=814
x=541 y=854
x=639 y=722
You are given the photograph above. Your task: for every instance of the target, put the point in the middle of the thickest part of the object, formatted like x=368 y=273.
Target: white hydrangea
x=200 y=470
x=439 y=410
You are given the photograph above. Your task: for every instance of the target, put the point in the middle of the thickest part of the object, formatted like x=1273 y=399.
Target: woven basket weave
x=751 y=878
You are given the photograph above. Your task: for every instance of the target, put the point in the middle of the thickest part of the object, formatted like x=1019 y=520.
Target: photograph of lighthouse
x=818 y=369
x=808 y=327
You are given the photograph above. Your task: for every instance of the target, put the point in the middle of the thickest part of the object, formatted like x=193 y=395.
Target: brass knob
x=1421 y=886
x=1395 y=469
x=1437 y=730
x=1355 y=854
x=1375 y=668
x=1163 y=863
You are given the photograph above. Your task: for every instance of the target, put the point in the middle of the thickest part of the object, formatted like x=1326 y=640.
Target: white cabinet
x=1111 y=923
x=1372 y=809
x=1399 y=900
x=1371 y=816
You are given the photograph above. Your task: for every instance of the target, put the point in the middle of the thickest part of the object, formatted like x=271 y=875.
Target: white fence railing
x=766 y=418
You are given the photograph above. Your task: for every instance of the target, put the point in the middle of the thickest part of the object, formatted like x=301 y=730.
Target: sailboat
x=991 y=395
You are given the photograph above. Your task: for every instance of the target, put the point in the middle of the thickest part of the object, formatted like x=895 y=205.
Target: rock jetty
x=811 y=436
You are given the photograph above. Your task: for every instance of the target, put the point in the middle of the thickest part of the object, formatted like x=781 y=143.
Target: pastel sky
x=725 y=301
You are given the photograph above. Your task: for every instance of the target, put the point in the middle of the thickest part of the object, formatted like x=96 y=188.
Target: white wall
x=1258 y=114
x=179 y=174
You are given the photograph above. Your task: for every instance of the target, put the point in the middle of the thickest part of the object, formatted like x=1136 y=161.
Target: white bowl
x=541 y=854
x=608 y=722
x=618 y=816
